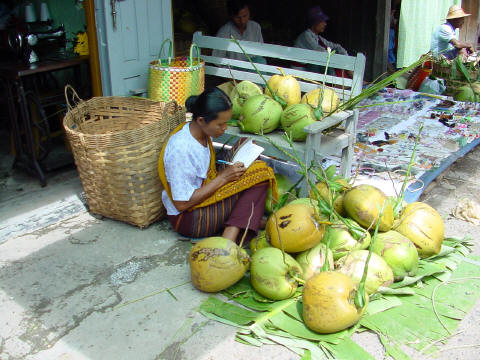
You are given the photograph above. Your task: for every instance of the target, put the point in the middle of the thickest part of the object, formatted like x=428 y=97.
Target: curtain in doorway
x=418 y=20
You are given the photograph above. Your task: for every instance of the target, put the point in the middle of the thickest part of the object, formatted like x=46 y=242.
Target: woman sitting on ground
x=199 y=201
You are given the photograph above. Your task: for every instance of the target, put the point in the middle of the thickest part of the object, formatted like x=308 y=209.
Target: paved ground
x=63 y=274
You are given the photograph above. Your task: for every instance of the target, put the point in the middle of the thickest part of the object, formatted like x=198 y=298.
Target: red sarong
x=233 y=211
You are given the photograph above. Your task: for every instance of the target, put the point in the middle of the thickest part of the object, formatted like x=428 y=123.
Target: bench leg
x=348 y=152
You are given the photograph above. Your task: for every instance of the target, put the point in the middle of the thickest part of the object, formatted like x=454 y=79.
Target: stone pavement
x=73 y=286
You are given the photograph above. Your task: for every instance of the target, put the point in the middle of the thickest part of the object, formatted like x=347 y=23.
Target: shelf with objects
x=37 y=66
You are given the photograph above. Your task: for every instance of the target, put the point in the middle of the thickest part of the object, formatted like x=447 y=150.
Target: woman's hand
x=232 y=172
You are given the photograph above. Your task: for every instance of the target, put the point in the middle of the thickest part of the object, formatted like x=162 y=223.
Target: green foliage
x=436 y=309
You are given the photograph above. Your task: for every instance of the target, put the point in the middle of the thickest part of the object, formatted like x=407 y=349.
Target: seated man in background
x=312 y=40
x=444 y=40
x=241 y=28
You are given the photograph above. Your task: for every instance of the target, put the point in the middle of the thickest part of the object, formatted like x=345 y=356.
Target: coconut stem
x=281 y=71
x=294 y=277
x=326 y=264
x=318 y=112
x=274 y=94
x=361 y=295
x=233 y=78
x=248 y=224
x=150 y=295
x=398 y=203
x=373 y=89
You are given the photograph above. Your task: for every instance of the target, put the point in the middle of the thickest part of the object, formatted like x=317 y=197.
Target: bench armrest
x=328 y=122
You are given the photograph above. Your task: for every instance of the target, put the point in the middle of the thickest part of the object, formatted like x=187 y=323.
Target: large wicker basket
x=116 y=142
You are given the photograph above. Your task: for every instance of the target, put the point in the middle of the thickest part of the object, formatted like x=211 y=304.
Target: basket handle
x=170 y=50
x=194 y=46
x=75 y=98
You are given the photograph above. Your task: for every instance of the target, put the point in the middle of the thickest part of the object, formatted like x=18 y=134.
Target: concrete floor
x=63 y=273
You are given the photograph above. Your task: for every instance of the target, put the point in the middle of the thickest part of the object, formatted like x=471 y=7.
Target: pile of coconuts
x=279 y=106
x=308 y=249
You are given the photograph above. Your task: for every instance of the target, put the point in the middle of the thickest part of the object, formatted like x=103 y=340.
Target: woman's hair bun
x=191 y=102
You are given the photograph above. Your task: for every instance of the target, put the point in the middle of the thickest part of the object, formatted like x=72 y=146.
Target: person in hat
x=444 y=40
x=312 y=40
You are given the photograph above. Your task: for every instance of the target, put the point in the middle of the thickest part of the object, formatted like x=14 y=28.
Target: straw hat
x=455 y=12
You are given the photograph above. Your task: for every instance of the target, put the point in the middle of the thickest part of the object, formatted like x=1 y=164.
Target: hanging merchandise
x=176 y=78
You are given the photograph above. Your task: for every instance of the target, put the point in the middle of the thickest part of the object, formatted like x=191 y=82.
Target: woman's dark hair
x=234 y=6
x=208 y=104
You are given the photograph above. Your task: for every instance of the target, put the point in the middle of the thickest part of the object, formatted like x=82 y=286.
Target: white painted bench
x=317 y=145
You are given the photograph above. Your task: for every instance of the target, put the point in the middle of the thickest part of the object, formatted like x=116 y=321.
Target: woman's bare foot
x=231 y=232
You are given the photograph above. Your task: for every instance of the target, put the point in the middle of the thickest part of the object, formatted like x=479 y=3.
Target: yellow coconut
x=330 y=194
x=330 y=99
x=363 y=204
x=296 y=226
x=328 y=302
x=217 y=263
x=227 y=87
x=424 y=226
x=285 y=86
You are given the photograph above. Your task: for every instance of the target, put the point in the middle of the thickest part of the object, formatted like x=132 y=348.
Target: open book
x=247 y=153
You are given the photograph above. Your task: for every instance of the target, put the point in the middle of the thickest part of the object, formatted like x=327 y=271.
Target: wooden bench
x=317 y=145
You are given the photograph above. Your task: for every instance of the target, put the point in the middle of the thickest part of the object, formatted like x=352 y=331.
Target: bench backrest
x=219 y=66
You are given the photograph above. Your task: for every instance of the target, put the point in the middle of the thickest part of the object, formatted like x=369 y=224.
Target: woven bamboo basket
x=116 y=142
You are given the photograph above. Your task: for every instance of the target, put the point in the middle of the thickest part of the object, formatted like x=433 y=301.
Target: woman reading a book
x=199 y=200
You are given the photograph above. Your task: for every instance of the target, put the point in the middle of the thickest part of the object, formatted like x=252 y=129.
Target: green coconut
x=468 y=93
x=363 y=204
x=312 y=260
x=217 y=263
x=260 y=115
x=379 y=272
x=241 y=93
x=273 y=278
x=283 y=185
x=341 y=241
x=399 y=253
x=294 y=118
x=259 y=242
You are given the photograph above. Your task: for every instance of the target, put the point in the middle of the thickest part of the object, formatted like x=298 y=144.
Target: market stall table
x=389 y=123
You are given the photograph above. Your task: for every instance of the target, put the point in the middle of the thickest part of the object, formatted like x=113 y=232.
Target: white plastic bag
x=433 y=86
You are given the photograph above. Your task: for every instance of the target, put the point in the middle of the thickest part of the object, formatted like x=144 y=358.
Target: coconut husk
x=468 y=210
